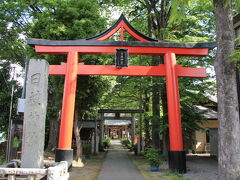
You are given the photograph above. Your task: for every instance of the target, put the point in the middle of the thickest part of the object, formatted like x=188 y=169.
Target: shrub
x=129 y=146
x=106 y=142
x=122 y=139
x=126 y=143
x=153 y=157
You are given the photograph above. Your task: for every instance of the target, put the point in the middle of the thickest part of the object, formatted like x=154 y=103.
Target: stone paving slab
x=118 y=166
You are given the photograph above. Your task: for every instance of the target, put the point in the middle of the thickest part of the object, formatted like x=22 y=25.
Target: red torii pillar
x=64 y=151
x=177 y=158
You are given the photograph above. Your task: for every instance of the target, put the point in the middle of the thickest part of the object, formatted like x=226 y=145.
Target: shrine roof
x=208 y=113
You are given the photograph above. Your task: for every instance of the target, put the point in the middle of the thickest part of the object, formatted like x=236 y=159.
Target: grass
x=93 y=160
x=174 y=176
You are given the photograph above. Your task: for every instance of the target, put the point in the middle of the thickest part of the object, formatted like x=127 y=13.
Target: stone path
x=118 y=166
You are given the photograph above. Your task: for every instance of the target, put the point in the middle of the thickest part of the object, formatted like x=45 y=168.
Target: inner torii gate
x=144 y=46
x=132 y=119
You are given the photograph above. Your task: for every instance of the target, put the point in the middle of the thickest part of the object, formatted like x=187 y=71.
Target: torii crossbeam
x=145 y=46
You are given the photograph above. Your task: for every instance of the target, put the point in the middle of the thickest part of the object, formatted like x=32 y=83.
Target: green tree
x=12 y=30
x=228 y=110
x=5 y=94
x=65 y=20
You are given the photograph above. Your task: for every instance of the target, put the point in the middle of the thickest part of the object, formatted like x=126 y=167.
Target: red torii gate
x=145 y=46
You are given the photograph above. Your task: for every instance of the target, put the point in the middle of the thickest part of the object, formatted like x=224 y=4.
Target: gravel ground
x=201 y=167
x=90 y=170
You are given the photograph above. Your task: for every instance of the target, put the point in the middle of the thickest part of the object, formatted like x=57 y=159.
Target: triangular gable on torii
x=121 y=24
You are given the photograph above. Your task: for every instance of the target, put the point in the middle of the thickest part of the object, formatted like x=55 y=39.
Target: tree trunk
x=155 y=93
x=146 y=122
x=155 y=24
x=164 y=118
x=165 y=143
x=155 y=107
x=53 y=132
x=77 y=129
x=228 y=110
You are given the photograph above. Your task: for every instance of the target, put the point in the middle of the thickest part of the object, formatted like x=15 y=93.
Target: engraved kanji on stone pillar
x=35 y=114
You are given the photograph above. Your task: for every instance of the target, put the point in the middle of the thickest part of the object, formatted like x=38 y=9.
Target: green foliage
x=87 y=149
x=197 y=25
x=106 y=142
x=5 y=95
x=178 y=10
x=235 y=56
x=123 y=140
x=65 y=20
x=153 y=157
x=179 y=7
x=12 y=28
x=126 y=143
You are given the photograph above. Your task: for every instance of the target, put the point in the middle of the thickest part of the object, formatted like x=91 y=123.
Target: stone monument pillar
x=35 y=114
